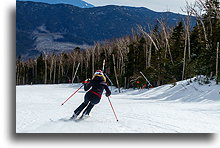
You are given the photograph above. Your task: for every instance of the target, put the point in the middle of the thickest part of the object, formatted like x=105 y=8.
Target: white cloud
x=156 y=5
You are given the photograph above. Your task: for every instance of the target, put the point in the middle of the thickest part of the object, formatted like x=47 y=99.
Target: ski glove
x=86 y=81
x=107 y=94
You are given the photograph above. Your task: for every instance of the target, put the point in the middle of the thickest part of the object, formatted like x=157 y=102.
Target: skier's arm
x=87 y=86
x=108 y=92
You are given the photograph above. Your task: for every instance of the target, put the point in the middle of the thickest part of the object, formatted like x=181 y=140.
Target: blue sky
x=156 y=5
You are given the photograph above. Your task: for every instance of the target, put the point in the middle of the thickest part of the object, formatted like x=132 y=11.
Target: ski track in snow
x=181 y=109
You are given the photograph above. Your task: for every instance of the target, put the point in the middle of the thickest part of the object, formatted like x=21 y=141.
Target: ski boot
x=74 y=116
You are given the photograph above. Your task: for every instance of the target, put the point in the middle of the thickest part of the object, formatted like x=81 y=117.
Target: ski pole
x=113 y=109
x=72 y=94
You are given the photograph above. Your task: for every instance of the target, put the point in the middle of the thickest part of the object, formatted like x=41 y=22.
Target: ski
x=62 y=119
x=81 y=118
x=68 y=119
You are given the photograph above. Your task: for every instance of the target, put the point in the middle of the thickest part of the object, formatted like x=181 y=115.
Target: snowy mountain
x=60 y=27
x=187 y=107
x=78 y=3
x=156 y=5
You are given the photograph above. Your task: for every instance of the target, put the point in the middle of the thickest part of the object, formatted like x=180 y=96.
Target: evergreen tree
x=204 y=58
x=177 y=49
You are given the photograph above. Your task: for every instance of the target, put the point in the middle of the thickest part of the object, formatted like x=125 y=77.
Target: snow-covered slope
x=156 y=5
x=184 y=108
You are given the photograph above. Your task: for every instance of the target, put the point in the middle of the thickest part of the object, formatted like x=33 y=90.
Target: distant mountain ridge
x=60 y=27
x=78 y=3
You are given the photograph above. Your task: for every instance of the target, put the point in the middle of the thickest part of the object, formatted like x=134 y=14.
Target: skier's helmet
x=99 y=76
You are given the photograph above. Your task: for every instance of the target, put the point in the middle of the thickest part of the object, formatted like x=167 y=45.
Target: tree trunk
x=189 y=50
x=167 y=42
x=125 y=85
x=149 y=56
x=36 y=70
x=217 y=52
x=116 y=77
x=51 y=69
x=45 y=72
x=184 y=58
x=205 y=34
x=74 y=63
x=33 y=67
x=93 y=61
x=54 y=72
x=145 y=78
x=17 y=74
x=59 y=72
x=103 y=65
x=75 y=72
x=87 y=67
x=146 y=56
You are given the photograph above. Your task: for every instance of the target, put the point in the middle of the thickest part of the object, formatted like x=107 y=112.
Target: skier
x=93 y=96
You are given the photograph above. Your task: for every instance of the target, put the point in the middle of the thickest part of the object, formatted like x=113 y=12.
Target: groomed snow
x=183 y=108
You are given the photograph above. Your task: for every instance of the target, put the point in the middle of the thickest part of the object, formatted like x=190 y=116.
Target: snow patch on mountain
x=156 y=5
x=46 y=41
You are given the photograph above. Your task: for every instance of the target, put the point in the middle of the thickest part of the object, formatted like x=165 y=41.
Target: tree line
x=164 y=55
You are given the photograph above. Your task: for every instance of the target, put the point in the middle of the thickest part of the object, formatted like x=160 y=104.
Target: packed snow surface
x=184 y=108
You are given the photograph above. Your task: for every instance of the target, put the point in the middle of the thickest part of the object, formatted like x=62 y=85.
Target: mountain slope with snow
x=156 y=5
x=184 y=108
x=56 y=28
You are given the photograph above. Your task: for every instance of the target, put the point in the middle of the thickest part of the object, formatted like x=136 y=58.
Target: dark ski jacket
x=97 y=88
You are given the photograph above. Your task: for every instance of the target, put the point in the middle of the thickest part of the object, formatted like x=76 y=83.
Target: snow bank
x=184 y=91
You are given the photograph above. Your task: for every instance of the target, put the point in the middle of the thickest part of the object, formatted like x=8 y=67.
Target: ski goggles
x=98 y=73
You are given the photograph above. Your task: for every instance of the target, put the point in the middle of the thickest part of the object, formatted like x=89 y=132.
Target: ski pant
x=90 y=100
